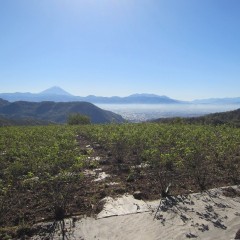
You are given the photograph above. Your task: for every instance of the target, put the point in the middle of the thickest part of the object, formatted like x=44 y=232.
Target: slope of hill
x=22 y=122
x=230 y=117
x=3 y=102
x=56 y=112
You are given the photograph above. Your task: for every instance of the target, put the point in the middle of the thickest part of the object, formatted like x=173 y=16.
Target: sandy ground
x=208 y=215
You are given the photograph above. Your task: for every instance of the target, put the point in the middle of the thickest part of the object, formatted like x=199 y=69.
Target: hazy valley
x=144 y=112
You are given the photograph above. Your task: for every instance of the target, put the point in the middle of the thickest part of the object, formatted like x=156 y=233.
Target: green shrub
x=78 y=119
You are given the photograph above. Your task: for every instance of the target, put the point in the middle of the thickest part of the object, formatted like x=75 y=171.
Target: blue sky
x=185 y=49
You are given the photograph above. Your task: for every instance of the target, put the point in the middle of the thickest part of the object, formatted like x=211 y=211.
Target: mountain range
x=57 y=94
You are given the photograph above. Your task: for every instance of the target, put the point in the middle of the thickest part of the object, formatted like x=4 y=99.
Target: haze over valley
x=144 y=112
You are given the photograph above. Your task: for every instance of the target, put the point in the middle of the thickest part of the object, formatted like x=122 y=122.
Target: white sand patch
x=205 y=216
x=124 y=205
x=200 y=216
x=89 y=173
x=101 y=176
x=112 y=183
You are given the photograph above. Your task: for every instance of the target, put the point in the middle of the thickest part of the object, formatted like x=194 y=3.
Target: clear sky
x=185 y=49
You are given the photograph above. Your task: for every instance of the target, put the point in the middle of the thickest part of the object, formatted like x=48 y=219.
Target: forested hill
x=22 y=122
x=55 y=111
x=230 y=117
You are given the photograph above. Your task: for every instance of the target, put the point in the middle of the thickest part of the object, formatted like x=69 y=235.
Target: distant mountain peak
x=55 y=91
x=147 y=95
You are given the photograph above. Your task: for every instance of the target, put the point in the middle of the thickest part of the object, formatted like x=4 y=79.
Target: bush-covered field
x=43 y=169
